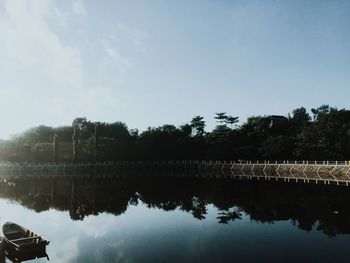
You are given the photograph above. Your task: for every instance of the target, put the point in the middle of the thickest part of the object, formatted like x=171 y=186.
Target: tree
x=86 y=128
x=231 y=120
x=37 y=134
x=186 y=129
x=301 y=116
x=322 y=111
x=221 y=117
x=134 y=133
x=198 y=124
x=300 y=119
x=116 y=130
x=64 y=133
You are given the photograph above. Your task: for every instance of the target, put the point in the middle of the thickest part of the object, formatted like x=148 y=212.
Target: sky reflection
x=145 y=234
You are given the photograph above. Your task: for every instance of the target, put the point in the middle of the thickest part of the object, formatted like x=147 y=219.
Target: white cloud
x=60 y=17
x=112 y=64
x=115 y=55
x=78 y=7
x=27 y=38
x=93 y=227
x=52 y=70
x=68 y=251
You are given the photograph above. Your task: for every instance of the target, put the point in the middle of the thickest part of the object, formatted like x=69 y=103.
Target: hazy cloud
x=28 y=41
x=112 y=52
x=78 y=7
x=48 y=76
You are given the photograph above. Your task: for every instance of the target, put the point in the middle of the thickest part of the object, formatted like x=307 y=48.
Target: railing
x=301 y=162
x=299 y=171
x=293 y=162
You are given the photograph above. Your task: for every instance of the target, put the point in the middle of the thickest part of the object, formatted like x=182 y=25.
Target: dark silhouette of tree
x=231 y=120
x=40 y=133
x=186 y=129
x=300 y=117
x=221 y=117
x=134 y=133
x=198 y=124
x=86 y=128
x=326 y=136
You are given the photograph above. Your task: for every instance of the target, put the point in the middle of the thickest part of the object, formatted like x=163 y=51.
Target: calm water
x=181 y=220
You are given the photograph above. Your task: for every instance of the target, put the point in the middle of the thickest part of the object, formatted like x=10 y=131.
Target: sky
x=149 y=63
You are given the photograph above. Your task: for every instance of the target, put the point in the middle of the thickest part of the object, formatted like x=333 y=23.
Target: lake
x=157 y=219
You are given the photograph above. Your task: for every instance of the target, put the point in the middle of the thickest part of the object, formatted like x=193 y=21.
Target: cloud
x=67 y=252
x=112 y=53
x=53 y=69
x=27 y=39
x=78 y=7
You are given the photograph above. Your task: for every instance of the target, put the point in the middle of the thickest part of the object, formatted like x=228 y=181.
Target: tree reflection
x=225 y=217
x=309 y=207
x=199 y=209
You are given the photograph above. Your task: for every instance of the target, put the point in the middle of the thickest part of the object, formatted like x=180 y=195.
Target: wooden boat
x=22 y=244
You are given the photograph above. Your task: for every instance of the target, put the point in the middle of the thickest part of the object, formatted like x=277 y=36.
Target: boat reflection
x=308 y=207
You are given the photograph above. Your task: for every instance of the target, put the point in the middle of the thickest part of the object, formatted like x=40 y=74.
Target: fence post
x=95 y=142
x=37 y=153
x=75 y=141
x=55 y=148
x=18 y=149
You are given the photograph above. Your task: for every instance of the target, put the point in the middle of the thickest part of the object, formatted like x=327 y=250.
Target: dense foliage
x=325 y=135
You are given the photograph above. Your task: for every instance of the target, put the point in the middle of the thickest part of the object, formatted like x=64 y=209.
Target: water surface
x=181 y=220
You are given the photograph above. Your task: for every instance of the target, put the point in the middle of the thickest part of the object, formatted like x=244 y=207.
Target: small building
x=277 y=121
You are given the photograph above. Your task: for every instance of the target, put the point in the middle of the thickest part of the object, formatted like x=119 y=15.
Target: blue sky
x=148 y=63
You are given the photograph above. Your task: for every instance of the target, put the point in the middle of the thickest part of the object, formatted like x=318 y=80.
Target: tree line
x=322 y=134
